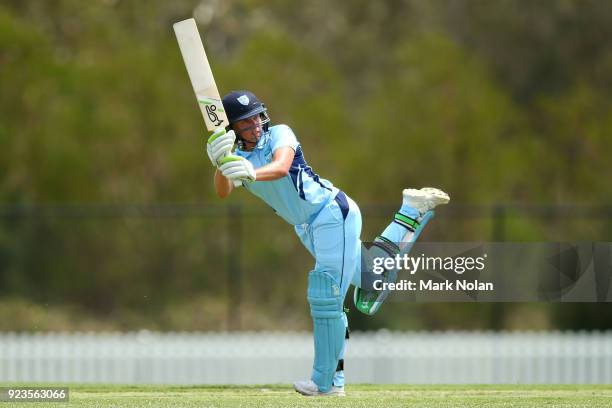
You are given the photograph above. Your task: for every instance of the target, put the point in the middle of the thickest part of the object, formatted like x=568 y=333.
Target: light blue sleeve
x=283 y=136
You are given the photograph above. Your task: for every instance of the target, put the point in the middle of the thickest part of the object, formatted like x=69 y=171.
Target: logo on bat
x=212 y=115
x=212 y=109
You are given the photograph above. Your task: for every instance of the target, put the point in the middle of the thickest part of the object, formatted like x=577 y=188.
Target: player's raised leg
x=399 y=237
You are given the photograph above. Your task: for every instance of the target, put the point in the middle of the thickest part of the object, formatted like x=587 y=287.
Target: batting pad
x=369 y=301
x=328 y=326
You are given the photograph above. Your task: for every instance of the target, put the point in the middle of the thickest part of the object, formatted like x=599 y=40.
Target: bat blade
x=200 y=74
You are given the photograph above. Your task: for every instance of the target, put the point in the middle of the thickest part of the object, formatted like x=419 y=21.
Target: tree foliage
x=495 y=102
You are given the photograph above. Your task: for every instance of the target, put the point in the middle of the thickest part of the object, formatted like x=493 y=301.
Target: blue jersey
x=298 y=197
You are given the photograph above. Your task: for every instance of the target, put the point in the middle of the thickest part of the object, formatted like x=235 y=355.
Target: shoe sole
x=432 y=195
x=333 y=392
x=320 y=394
x=437 y=194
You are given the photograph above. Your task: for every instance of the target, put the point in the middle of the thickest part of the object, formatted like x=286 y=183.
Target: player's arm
x=234 y=167
x=218 y=146
x=279 y=167
x=223 y=185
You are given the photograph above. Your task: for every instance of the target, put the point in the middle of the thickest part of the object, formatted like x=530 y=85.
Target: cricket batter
x=269 y=162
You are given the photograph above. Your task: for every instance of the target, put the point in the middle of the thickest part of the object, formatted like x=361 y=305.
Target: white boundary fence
x=280 y=357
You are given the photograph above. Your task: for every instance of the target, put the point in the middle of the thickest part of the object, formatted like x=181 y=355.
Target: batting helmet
x=244 y=104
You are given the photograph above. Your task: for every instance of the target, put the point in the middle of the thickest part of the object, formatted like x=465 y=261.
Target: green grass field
x=357 y=396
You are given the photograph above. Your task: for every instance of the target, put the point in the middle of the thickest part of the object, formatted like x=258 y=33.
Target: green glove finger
x=219 y=132
x=229 y=158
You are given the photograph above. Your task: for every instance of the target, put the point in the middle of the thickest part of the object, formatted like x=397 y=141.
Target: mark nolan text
x=436 y=286
x=455 y=285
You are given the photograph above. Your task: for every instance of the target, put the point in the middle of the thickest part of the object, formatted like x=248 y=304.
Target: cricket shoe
x=425 y=199
x=310 y=389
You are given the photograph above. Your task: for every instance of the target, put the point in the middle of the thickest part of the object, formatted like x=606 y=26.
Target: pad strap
x=386 y=245
x=406 y=222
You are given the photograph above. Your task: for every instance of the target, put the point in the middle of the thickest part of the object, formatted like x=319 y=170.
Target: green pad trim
x=405 y=221
x=410 y=221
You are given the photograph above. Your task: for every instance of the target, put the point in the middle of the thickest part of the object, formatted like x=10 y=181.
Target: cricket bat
x=201 y=76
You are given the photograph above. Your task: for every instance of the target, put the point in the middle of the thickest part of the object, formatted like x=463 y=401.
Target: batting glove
x=237 y=168
x=219 y=145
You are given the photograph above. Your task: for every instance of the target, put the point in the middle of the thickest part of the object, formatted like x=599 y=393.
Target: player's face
x=249 y=129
